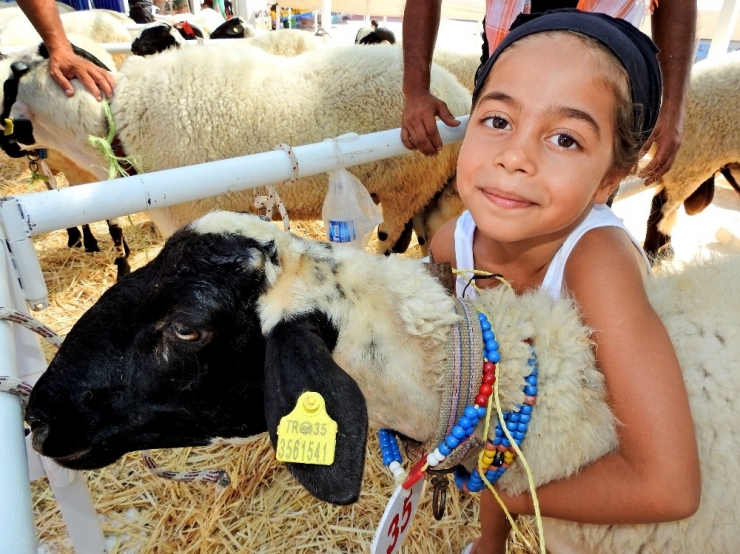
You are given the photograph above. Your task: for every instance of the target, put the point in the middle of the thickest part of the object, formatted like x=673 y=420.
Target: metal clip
x=439 y=497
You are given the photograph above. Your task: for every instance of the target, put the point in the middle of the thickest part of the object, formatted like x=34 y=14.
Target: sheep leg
x=89 y=240
x=700 y=198
x=403 y=241
x=74 y=237
x=420 y=228
x=726 y=172
x=656 y=241
x=122 y=249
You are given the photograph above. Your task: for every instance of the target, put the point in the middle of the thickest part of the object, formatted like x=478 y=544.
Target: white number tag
x=396 y=520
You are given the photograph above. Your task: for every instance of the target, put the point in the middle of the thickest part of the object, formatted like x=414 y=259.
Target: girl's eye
x=564 y=140
x=496 y=122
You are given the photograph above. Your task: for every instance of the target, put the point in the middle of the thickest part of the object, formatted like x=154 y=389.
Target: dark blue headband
x=634 y=49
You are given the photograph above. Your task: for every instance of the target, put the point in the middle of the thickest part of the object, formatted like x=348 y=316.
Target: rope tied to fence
x=22 y=390
x=272 y=199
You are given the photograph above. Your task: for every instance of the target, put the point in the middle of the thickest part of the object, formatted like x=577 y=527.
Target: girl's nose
x=515 y=157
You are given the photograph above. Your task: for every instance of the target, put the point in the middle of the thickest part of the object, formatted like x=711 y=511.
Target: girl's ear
x=608 y=186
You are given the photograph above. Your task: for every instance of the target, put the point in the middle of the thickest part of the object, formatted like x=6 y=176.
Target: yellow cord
x=468 y=275
x=106 y=150
x=530 y=479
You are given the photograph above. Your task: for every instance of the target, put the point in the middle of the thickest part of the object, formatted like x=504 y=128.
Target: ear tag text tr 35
x=307 y=435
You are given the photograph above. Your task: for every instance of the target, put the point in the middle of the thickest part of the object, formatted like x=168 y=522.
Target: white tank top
x=599 y=216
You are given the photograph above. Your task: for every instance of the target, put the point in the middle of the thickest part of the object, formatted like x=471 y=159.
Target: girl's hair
x=627 y=120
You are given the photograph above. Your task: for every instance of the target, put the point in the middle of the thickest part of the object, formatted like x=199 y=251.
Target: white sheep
x=98 y=25
x=201 y=104
x=710 y=143
x=233 y=298
x=286 y=42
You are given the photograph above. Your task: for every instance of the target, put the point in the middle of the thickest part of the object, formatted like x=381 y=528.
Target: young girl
x=560 y=112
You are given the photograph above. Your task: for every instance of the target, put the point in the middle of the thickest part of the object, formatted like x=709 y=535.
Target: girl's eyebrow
x=574 y=113
x=552 y=111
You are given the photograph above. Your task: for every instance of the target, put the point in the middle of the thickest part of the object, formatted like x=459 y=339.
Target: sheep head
x=178 y=354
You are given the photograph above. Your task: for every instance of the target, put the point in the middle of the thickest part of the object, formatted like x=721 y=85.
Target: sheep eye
x=185 y=333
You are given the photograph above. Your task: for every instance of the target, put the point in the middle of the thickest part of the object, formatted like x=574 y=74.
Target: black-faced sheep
x=234 y=315
x=710 y=144
x=163 y=36
x=195 y=105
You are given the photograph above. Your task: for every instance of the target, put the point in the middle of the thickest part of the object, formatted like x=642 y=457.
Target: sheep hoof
x=123 y=268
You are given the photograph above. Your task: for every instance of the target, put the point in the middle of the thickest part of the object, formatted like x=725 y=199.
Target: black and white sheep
x=163 y=36
x=195 y=105
x=219 y=335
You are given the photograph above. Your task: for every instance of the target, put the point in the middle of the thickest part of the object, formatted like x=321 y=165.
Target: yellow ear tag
x=8 y=127
x=307 y=435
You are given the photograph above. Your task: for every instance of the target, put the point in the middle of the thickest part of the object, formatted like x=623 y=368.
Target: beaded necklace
x=499 y=452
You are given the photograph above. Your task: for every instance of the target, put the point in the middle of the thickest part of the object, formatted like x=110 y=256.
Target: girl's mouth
x=506 y=201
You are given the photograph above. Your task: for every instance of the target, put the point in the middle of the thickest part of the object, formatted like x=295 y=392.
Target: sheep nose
x=40 y=434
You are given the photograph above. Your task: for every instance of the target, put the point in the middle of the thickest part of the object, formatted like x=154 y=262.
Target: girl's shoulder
x=605 y=268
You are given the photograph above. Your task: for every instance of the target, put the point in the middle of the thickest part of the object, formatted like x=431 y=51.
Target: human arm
x=673 y=30
x=64 y=64
x=442 y=246
x=418 y=123
x=657 y=446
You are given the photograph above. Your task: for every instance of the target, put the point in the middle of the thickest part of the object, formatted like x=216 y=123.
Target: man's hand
x=418 y=123
x=66 y=65
x=667 y=136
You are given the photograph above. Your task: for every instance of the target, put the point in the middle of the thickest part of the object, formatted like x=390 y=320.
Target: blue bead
x=481 y=412
x=495 y=358
x=535 y=371
x=532 y=361
x=444 y=449
x=511 y=426
x=522 y=427
x=518 y=435
x=524 y=418
x=471 y=412
x=465 y=422
x=514 y=416
x=518 y=441
x=451 y=441
x=458 y=432
x=526 y=409
x=484 y=325
x=488 y=335
x=532 y=380
x=497 y=441
x=530 y=390
x=491 y=345
x=505 y=442
x=387 y=459
x=482 y=316
x=498 y=431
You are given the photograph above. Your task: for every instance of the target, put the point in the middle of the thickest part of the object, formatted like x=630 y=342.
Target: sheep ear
x=298 y=359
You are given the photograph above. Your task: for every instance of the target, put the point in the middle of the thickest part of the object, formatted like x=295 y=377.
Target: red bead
x=489 y=367
x=489 y=378
x=481 y=400
x=490 y=446
x=416 y=473
x=485 y=389
x=531 y=400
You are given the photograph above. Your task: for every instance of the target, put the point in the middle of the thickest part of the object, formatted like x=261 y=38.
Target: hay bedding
x=265 y=510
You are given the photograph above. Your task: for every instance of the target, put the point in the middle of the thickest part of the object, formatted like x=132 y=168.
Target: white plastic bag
x=349 y=213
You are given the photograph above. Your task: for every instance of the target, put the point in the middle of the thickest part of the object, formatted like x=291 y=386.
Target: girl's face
x=538 y=149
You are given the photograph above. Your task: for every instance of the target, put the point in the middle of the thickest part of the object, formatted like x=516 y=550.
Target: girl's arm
x=654 y=474
x=442 y=245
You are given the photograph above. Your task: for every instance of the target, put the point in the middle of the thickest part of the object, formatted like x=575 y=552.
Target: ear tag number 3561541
x=307 y=435
x=396 y=521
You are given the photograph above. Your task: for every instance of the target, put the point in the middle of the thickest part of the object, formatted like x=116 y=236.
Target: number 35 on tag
x=396 y=521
